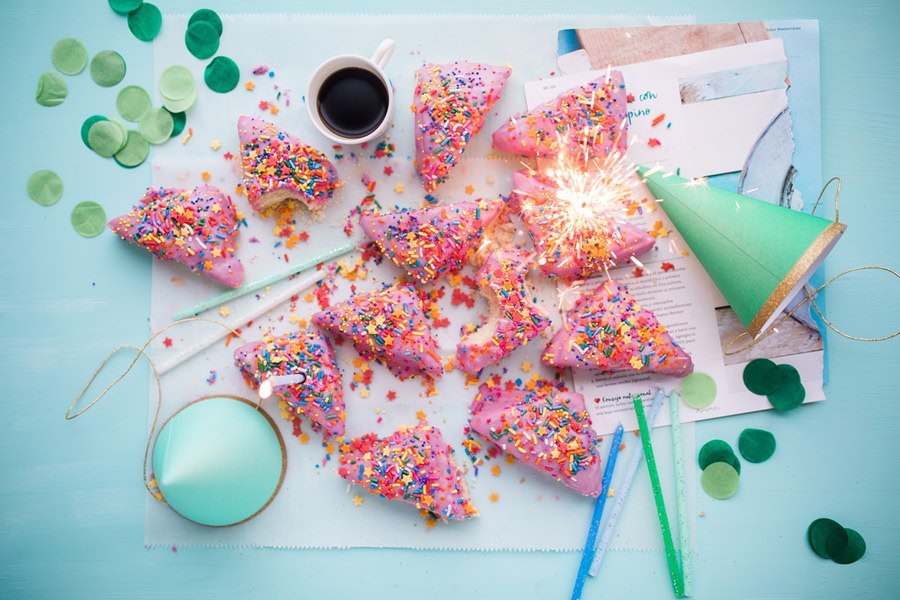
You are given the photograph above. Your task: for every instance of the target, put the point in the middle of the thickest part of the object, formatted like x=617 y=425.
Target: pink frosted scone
x=412 y=465
x=548 y=431
x=388 y=326
x=431 y=242
x=594 y=115
x=320 y=397
x=608 y=330
x=450 y=104
x=571 y=258
x=278 y=167
x=513 y=319
x=194 y=227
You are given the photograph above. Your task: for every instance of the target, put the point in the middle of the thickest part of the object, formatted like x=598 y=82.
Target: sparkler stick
x=680 y=496
x=265 y=281
x=674 y=571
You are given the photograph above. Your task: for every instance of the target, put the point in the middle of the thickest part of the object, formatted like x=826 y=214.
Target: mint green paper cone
x=219 y=461
x=758 y=254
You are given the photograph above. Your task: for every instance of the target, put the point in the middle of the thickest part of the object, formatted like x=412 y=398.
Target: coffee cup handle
x=383 y=53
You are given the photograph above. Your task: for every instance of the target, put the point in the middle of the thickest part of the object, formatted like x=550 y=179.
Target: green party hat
x=758 y=254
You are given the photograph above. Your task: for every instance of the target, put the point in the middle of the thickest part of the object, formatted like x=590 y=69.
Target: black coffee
x=352 y=102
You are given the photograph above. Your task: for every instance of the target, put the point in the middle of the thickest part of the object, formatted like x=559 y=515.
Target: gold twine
x=141 y=351
x=811 y=293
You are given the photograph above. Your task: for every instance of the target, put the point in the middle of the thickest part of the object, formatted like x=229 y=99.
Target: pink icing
x=594 y=115
x=274 y=160
x=520 y=320
x=194 y=227
x=388 y=326
x=320 y=397
x=431 y=242
x=412 y=465
x=550 y=432
x=450 y=103
x=608 y=330
x=571 y=262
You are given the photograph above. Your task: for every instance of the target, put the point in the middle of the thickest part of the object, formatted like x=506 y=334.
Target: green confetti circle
x=51 y=89
x=209 y=16
x=176 y=83
x=105 y=138
x=222 y=74
x=720 y=480
x=88 y=219
x=761 y=376
x=715 y=451
x=107 y=68
x=698 y=390
x=853 y=551
x=123 y=7
x=756 y=445
x=135 y=151
x=45 y=187
x=69 y=56
x=123 y=130
x=821 y=531
x=180 y=105
x=145 y=21
x=86 y=127
x=157 y=125
x=133 y=102
x=179 y=119
x=791 y=393
x=201 y=39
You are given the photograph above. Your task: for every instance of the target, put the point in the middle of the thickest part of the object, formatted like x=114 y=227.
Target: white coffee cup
x=375 y=65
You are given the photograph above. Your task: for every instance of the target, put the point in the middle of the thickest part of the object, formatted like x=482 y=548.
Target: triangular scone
x=412 y=465
x=608 y=330
x=592 y=117
x=429 y=243
x=450 y=103
x=277 y=167
x=389 y=326
x=320 y=397
x=194 y=227
x=582 y=255
x=548 y=431
x=513 y=319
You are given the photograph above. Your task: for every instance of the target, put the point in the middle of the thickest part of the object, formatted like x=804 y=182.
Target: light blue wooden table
x=71 y=503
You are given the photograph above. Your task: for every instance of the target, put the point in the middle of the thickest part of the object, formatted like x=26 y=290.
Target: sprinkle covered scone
x=513 y=319
x=549 y=431
x=574 y=254
x=608 y=330
x=320 y=397
x=431 y=242
x=278 y=167
x=412 y=465
x=592 y=116
x=450 y=104
x=388 y=326
x=194 y=227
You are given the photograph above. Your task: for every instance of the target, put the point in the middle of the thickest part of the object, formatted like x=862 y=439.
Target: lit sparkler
x=583 y=195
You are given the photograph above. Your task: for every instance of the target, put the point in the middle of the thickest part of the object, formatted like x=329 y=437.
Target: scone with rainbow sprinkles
x=196 y=228
x=277 y=167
